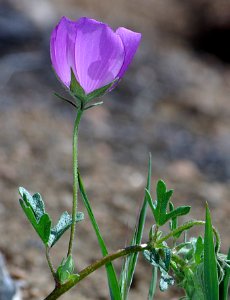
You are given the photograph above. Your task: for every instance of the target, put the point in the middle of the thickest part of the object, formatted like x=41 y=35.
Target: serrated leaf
x=35 y=202
x=130 y=261
x=33 y=207
x=159 y=207
x=210 y=262
x=63 y=224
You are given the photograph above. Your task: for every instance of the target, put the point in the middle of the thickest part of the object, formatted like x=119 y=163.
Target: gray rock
x=8 y=288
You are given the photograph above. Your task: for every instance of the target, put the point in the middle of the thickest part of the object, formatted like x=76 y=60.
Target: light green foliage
x=63 y=224
x=161 y=259
x=34 y=208
x=65 y=270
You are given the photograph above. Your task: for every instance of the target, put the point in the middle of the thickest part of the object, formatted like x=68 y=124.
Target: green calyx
x=81 y=97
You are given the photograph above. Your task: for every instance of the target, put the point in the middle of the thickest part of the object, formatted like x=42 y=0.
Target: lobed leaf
x=34 y=209
x=159 y=207
x=63 y=224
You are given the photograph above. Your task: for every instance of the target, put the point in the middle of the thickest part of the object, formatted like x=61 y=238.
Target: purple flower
x=96 y=54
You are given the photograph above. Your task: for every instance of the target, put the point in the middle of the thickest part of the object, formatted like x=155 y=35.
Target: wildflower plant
x=89 y=59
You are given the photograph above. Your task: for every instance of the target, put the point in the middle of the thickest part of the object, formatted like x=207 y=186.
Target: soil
x=173 y=102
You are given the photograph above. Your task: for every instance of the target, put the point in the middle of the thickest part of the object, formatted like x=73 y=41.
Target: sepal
x=65 y=270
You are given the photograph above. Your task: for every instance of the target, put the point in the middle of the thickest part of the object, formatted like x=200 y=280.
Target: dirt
x=173 y=102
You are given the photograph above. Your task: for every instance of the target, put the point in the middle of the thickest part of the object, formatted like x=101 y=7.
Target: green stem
x=58 y=291
x=75 y=179
x=187 y=226
x=52 y=270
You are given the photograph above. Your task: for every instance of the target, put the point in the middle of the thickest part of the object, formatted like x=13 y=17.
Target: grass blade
x=211 y=285
x=129 y=264
x=225 y=282
x=153 y=283
x=111 y=274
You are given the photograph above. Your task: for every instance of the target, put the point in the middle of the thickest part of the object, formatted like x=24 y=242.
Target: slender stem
x=50 y=263
x=58 y=291
x=187 y=226
x=75 y=180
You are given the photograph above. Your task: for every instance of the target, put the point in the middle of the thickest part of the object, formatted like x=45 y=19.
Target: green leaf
x=94 y=105
x=65 y=270
x=165 y=281
x=111 y=274
x=210 y=261
x=156 y=259
x=33 y=207
x=66 y=100
x=199 y=248
x=159 y=207
x=76 y=89
x=225 y=282
x=35 y=202
x=173 y=224
x=130 y=261
x=153 y=283
x=99 y=92
x=63 y=224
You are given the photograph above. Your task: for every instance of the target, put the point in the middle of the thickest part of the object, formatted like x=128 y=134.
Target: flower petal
x=99 y=54
x=62 y=44
x=131 y=41
x=58 y=51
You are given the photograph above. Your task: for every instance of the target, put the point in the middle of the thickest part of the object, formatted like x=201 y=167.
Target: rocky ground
x=174 y=103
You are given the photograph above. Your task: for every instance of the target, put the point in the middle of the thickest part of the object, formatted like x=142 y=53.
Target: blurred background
x=173 y=102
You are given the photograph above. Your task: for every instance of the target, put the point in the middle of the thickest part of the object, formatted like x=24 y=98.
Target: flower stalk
x=75 y=180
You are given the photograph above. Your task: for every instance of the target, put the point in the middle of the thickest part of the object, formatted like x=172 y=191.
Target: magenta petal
x=131 y=41
x=58 y=51
x=62 y=44
x=99 y=54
